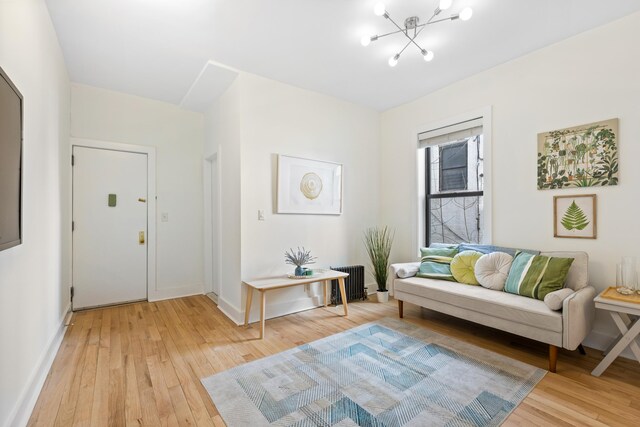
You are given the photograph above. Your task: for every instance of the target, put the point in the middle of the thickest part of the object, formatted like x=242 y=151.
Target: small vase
x=299 y=271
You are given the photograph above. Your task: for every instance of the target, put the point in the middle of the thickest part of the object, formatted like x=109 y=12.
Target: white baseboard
x=169 y=293
x=20 y=414
x=231 y=311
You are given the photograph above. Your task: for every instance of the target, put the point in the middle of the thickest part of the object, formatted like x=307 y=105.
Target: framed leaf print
x=575 y=216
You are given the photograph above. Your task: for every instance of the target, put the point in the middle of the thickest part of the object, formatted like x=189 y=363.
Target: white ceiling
x=158 y=48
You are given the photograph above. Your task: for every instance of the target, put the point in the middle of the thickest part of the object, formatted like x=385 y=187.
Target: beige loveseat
x=519 y=315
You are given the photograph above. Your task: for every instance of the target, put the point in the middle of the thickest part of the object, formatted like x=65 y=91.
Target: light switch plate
x=164 y=217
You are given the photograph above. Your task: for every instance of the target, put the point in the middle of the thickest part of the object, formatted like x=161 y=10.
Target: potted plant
x=299 y=258
x=378 y=243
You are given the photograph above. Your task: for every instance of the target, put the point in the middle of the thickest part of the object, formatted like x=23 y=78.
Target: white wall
x=590 y=77
x=223 y=136
x=34 y=279
x=178 y=136
x=270 y=118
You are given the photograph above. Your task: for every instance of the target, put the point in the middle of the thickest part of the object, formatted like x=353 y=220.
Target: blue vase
x=299 y=271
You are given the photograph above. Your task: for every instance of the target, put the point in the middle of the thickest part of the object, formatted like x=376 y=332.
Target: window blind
x=452 y=133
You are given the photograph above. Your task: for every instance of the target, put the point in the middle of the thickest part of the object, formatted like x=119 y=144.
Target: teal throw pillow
x=535 y=276
x=435 y=263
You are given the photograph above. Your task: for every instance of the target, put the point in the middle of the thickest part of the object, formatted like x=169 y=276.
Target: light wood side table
x=265 y=285
x=629 y=327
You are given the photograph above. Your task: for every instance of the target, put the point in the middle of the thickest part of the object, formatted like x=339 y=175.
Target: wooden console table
x=264 y=285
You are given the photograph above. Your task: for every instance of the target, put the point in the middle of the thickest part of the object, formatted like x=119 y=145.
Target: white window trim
x=487 y=135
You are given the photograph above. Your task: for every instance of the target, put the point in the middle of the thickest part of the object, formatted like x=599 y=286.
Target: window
x=453 y=183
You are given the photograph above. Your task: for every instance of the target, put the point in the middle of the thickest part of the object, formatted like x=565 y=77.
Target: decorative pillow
x=408 y=270
x=435 y=263
x=535 y=276
x=555 y=299
x=463 y=265
x=492 y=270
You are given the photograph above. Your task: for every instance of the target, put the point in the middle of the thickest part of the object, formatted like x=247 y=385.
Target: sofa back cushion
x=487 y=249
x=578 y=276
x=436 y=263
x=535 y=276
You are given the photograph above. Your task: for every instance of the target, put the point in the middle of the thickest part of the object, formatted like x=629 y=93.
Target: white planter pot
x=382 y=296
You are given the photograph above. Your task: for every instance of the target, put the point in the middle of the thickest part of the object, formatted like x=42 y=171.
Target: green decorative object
x=378 y=243
x=574 y=218
x=112 y=200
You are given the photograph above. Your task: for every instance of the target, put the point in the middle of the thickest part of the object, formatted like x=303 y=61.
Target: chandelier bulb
x=466 y=14
x=365 y=40
x=427 y=55
x=379 y=9
x=393 y=61
x=445 y=4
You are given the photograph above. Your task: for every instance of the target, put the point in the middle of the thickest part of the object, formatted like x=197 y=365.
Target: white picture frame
x=307 y=186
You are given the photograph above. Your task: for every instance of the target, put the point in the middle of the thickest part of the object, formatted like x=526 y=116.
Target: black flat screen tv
x=10 y=163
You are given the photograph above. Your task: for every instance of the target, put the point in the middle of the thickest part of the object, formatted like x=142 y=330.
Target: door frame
x=151 y=201
x=212 y=276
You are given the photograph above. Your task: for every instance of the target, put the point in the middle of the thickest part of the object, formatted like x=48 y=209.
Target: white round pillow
x=492 y=270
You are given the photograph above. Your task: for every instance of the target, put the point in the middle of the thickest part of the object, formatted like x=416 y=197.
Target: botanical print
x=581 y=156
x=575 y=216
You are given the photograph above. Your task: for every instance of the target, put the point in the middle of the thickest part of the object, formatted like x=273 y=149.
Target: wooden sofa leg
x=553 y=358
x=400 y=308
x=582 y=350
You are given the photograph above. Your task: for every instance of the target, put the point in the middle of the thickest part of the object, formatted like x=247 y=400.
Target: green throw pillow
x=535 y=276
x=435 y=263
x=463 y=267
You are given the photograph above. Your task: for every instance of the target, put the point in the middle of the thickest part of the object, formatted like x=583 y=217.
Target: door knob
x=141 y=238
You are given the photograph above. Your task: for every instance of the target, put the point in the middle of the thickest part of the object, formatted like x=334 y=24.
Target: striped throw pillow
x=535 y=276
x=436 y=263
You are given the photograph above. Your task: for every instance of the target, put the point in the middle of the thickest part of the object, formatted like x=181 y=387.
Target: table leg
x=324 y=290
x=247 y=309
x=263 y=296
x=343 y=294
x=622 y=321
x=626 y=339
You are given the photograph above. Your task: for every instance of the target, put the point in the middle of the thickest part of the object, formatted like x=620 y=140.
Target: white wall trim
x=179 y=292
x=20 y=414
x=487 y=130
x=230 y=310
x=152 y=289
x=601 y=341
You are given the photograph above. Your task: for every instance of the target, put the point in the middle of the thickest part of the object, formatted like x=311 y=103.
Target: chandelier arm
x=389 y=34
x=404 y=48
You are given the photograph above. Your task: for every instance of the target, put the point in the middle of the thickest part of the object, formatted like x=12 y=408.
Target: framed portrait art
x=308 y=186
x=575 y=216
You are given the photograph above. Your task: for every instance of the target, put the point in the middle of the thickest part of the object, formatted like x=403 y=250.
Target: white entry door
x=109 y=227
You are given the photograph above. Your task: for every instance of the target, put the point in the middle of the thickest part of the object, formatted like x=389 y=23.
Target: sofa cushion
x=487 y=249
x=492 y=270
x=534 y=276
x=436 y=263
x=578 y=276
x=463 y=267
x=503 y=305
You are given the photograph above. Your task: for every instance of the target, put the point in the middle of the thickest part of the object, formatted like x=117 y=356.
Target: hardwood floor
x=141 y=364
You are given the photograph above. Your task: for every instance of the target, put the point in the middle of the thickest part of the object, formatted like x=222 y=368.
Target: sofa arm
x=393 y=272
x=578 y=312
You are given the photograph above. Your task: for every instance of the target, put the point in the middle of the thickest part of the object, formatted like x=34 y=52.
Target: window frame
x=417 y=239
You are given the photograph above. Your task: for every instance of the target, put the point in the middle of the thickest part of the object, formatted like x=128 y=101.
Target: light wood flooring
x=141 y=364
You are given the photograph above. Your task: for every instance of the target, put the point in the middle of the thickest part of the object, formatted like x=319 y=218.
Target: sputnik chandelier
x=413 y=28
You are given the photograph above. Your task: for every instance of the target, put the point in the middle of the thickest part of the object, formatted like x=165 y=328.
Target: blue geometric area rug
x=385 y=373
